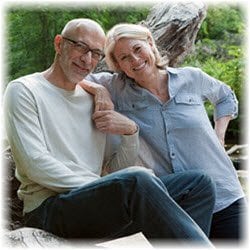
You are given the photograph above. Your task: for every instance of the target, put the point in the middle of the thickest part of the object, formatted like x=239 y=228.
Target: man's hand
x=112 y=122
x=102 y=97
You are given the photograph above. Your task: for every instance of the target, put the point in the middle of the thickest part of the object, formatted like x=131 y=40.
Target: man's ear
x=58 y=43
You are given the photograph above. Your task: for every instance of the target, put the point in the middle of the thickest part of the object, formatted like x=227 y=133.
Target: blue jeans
x=228 y=224
x=119 y=204
x=195 y=193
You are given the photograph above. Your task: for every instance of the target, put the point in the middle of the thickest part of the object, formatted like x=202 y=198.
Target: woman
x=168 y=106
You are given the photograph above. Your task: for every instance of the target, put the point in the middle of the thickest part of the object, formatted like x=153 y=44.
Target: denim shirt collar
x=173 y=83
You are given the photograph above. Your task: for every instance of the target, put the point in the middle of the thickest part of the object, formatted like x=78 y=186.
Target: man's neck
x=55 y=77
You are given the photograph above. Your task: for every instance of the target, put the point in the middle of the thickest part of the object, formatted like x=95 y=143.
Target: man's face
x=80 y=54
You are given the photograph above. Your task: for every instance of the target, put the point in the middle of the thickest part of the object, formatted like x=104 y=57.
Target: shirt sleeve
x=121 y=151
x=220 y=95
x=35 y=162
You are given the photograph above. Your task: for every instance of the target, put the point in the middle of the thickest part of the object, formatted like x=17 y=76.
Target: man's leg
x=106 y=208
x=195 y=193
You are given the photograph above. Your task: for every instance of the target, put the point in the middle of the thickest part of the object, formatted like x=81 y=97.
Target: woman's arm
x=102 y=97
x=224 y=101
x=220 y=128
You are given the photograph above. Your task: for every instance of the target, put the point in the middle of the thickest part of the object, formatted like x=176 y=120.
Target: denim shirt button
x=172 y=155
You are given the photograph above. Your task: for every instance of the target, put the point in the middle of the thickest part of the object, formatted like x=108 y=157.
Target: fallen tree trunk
x=174 y=27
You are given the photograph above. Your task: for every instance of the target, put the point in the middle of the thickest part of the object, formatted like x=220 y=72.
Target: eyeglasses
x=84 y=49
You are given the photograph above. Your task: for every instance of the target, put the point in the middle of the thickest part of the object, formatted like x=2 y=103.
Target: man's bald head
x=80 y=25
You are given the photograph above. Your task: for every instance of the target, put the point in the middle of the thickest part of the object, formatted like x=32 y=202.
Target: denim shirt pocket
x=132 y=104
x=188 y=99
x=188 y=111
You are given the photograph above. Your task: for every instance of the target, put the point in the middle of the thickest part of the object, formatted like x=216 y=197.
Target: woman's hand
x=102 y=97
x=110 y=121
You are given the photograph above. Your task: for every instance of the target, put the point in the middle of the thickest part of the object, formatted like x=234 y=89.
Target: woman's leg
x=229 y=222
x=195 y=193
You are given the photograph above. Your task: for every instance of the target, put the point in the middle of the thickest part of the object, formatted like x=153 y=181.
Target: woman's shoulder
x=185 y=69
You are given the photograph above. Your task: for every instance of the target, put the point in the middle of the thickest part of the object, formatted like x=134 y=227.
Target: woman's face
x=135 y=58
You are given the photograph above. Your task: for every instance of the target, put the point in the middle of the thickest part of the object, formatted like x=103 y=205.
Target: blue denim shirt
x=177 y=135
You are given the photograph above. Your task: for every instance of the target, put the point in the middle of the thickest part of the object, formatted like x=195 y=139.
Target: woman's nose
x=134 y=57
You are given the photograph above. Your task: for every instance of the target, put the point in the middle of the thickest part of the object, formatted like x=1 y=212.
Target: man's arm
x=123 y=150
x=31 y=154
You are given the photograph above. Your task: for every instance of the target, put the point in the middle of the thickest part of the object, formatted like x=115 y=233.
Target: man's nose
x=87 y=57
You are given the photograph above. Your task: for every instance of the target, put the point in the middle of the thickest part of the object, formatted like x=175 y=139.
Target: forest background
x=220 y=47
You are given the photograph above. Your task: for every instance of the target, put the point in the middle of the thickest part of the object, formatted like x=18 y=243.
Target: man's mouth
x=81 y=69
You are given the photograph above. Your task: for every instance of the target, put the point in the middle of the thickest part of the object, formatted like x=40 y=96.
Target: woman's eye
x=124 y=58
x=138 y=49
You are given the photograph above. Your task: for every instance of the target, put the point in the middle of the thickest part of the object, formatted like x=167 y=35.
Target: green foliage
x=30 y=32
x=220 y=20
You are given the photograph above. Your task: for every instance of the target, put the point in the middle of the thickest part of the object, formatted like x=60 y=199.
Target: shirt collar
x=174 y=83
x=172 y=70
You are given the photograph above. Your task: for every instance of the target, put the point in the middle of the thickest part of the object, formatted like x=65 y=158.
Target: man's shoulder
x=27 y=81
x=22 y=86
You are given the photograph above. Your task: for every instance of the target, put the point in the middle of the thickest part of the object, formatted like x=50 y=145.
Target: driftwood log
x=174 y=27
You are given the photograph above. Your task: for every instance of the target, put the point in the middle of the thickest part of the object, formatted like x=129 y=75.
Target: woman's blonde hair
x=132 y=31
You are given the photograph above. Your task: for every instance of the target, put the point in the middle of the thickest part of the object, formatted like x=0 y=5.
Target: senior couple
x=65 y=134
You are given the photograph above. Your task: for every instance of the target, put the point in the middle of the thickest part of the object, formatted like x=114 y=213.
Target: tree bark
x=174 y=27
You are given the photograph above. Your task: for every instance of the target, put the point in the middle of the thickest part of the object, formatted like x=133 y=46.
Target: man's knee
x=139 y=176
x=137 y=170
x=205 y=183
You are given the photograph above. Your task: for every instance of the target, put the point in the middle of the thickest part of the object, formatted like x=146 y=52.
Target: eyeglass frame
x=84 y=48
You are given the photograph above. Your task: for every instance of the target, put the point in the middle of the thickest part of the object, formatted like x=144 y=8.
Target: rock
x=32 y=238
x=13 y=206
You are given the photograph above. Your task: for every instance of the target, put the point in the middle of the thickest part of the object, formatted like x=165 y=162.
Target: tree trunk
x=174 y=27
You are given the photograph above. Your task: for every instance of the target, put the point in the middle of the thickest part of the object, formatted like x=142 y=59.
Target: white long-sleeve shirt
x=54 y=143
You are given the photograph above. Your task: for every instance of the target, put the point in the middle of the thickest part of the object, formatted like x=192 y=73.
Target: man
x=59 y=154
